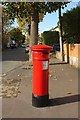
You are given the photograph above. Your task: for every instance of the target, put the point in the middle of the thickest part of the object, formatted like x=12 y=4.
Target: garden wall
x=72 y=54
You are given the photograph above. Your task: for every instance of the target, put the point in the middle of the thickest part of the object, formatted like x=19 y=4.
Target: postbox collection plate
x=45 y=65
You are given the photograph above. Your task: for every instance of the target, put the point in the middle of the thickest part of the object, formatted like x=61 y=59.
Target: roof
x=55 y=28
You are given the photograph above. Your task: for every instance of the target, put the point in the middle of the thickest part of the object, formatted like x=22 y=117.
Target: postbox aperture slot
x=45 y=53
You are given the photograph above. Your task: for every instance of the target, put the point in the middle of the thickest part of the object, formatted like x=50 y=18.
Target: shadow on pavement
x=64 y=100
x=60 y=63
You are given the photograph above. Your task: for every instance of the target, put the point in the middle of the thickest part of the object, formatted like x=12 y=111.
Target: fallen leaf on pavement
x=51 y=75
x=18 y=75
x=70 y=80
x=54 y=71
x=69 y=93
x=62 y=69
x=55 y=77
x=14 y=95
x=4 y=74
x=26 y=68
x=10 y=88
x=19 y=91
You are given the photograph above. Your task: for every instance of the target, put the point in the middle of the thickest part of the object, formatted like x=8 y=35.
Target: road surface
x=13 y=58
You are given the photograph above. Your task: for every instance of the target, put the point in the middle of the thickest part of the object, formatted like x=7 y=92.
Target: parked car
x=8 y=45
x=12 y=44
x=27 y=49
x=23 y=46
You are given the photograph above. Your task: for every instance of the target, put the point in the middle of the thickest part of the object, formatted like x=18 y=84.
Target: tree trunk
x=34 y=28
x=60 y=35
x=34 y=31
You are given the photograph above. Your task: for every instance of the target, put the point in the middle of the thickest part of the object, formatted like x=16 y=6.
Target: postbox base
x=40 y=101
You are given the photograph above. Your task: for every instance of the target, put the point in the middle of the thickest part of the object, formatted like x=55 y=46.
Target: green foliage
x=23 y=38
x=71 y=25
x=26 y=9
x=21 y=22
x=6 y=23
x=16 y=34
x=41 y=40
x=51 y=37
x=5 y=18
x=32 y=12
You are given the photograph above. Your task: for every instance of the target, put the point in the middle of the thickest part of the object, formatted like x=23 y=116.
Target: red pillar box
x=40 y=95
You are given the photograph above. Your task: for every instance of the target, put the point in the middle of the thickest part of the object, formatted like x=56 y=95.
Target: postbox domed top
x=40 y=47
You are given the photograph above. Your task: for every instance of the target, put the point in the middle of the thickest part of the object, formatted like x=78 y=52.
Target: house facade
x=55 y=29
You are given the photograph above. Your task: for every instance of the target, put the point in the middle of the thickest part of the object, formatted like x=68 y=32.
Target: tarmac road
x=12 y=58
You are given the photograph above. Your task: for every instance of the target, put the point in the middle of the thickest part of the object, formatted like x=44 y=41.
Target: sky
x=50 y=20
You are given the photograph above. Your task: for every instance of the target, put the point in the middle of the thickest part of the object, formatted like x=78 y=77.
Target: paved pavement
x=63 y=93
